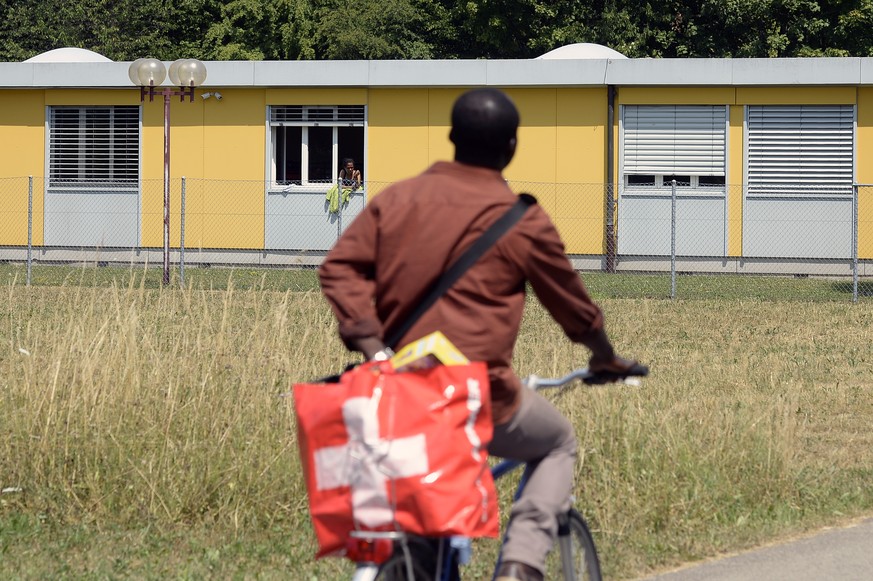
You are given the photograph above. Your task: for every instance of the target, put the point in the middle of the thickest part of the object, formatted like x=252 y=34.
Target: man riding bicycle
x=389 y=257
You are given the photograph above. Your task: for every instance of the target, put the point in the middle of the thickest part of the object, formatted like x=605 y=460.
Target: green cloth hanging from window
x=333 y=198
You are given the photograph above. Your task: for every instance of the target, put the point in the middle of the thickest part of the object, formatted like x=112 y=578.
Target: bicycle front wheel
x=573 y=557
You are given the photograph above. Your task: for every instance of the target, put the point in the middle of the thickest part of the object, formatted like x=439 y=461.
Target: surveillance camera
x=205 y=95
x=217 y=95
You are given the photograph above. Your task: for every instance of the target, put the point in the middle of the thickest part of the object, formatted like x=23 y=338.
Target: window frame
x=660 y=181
x=74 y=151
x=307 y=117
x=661 y=171
x=795 y=183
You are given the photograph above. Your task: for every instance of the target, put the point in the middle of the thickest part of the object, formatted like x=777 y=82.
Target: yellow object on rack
x=429 y=351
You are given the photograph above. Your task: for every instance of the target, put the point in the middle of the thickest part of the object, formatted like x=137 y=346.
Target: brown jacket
x=388 y=258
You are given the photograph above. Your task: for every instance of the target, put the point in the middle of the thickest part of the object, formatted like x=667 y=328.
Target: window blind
x=91 y=146
x=674 y=139
x=805 y=150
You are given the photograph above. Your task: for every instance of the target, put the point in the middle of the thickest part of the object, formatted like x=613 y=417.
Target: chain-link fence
x=666 y=239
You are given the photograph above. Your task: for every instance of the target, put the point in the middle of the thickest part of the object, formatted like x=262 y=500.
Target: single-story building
x=766 y=154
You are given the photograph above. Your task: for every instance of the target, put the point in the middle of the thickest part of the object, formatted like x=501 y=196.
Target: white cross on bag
x=367 y=462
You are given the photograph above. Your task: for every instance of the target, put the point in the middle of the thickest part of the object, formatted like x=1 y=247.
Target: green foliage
x=257 y=30
x=388 y=29
x=419 y=29
x=118 y=29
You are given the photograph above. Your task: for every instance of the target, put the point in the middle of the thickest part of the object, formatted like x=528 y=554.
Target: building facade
x=766 y=154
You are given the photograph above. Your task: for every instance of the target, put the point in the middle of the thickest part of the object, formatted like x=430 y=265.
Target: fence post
x=673 y=240
x=611 y=92
x=29 y=227
x=182 y=238
x=855 y=243
x=339 y=208
x=610 y=230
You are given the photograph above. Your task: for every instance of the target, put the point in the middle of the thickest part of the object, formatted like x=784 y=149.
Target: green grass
x=602 y=286
x=725 y=286
x=144 y=428
x=215 y=278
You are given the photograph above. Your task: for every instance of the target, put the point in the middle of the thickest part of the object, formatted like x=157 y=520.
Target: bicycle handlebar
x=589 y=378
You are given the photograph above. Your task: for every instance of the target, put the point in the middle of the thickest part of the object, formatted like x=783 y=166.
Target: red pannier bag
x=385 y=450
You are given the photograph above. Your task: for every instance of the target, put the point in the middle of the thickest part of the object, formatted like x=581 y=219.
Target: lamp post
x=185 y=74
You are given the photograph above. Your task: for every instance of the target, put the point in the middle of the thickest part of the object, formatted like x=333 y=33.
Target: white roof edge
x=467 y=73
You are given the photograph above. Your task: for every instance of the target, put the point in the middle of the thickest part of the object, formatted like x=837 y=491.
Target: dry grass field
x=144 y=436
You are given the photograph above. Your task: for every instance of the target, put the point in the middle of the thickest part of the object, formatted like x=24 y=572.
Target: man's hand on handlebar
x=615 y=368
x=606 y=366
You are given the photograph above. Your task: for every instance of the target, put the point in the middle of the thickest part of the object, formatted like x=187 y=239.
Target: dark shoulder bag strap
x=463 y=263
x=454 y=272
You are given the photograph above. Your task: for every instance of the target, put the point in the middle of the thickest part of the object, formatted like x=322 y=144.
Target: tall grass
x=128 y=408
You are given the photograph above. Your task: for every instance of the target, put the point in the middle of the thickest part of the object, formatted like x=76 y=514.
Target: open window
x=309 y=143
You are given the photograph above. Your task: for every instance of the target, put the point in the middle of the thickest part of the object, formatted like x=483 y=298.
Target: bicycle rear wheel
x=416 y=563
x=574 y=557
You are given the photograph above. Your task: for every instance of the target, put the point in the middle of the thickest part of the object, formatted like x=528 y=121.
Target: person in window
x=393 y=251
x=350 y=176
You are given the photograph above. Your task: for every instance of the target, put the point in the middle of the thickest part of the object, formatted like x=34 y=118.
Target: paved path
x=840 y=553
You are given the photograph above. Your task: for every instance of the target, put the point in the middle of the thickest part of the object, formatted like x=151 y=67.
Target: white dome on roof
x=69 y=55
x=583 y=50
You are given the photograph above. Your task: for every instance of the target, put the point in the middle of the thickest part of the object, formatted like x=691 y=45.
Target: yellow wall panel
x=398 y=134
x=84 y=97
x=864 y=172
x=535 y=158
x=440 y=102
x=582 y=115
x=581 y=236
x=219 y=214
x=186 y=158
x=581 y=136
x=864 y=136
x=439 y=146
x=736 y=161
x=234 y=137
x=152 y=217
x=402 y=142
x=675 y=96
x=223 y=142
x=795 y=95
x=231 y=216
x=865 y=223
x=546 y=194
x=581 y=217
x=196 y=221
x=315 y=96
x=580 y=201
x=22 y=154
x=396 y=153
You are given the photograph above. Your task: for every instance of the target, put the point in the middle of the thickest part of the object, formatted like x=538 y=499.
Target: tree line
x=433 y=29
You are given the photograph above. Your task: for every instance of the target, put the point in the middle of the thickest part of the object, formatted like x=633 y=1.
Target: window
x=800 y=150
x=650 y=181
x=94 y=147
x=662 y=143
x=310 y=142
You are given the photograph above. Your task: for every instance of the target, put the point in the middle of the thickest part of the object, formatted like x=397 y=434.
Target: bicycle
x=397 y=556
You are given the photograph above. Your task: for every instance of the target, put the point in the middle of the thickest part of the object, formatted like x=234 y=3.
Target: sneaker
x=515 y=571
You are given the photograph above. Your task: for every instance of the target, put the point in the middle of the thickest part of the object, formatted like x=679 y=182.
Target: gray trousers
x=540 y=435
